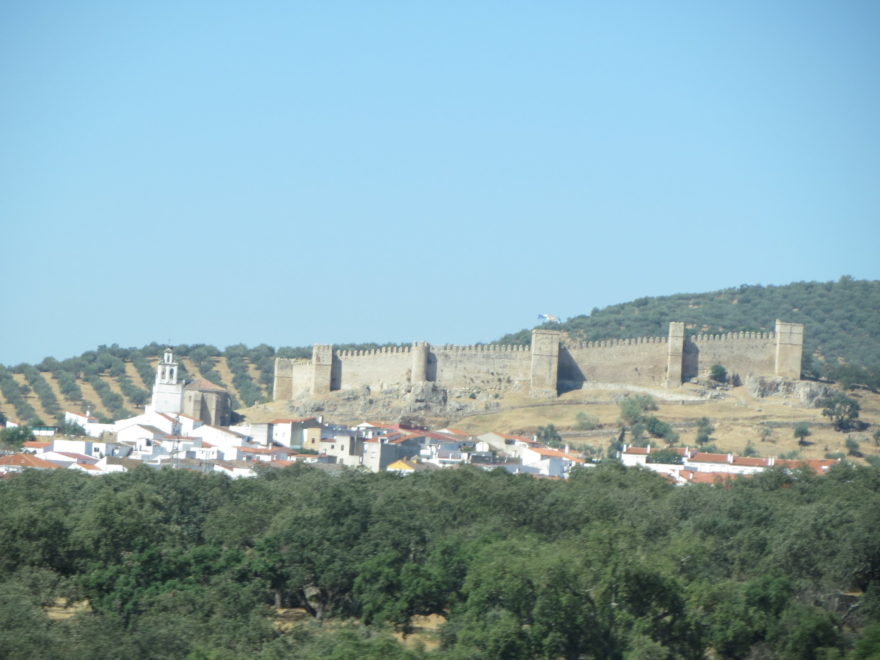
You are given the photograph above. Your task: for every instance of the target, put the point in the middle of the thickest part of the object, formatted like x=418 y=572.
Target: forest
x=612 y=563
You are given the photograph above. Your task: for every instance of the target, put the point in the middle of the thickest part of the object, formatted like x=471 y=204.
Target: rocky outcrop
x=422 y=401
x=809 y=393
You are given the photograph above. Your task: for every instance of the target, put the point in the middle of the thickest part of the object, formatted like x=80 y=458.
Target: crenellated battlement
x=607 y=343
x=549 y=364
x=385 y=350
x=483 y=348
x=735 y=336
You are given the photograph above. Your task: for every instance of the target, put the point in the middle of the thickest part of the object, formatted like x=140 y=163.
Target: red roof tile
x=28 y=461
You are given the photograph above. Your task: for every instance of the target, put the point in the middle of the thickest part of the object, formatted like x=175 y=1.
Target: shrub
x=718 y=373
x=585 y=422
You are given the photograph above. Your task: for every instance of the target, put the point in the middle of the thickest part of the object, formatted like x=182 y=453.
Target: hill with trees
x=841 y=319
x=842 y=343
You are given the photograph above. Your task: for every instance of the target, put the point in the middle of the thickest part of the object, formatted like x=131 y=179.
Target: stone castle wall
x=548 y=367
x=354 y=369
x=640 y=361
x=492 y=367
x=741 y=353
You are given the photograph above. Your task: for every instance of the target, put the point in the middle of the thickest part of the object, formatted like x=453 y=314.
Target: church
x=200 y=399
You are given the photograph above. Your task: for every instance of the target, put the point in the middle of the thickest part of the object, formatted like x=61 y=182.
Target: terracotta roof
x=28 y=461
x=750 y=461
x=33 y=444
x=204 y=385
x=819 y=465
x=636 y=450
x=707 y=477
x=547 y=451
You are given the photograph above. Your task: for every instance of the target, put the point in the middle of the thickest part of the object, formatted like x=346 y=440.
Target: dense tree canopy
x=611 y=563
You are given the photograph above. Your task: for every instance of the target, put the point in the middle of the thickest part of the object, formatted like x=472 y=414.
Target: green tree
x=704 y=431
x=16 y=436
x=585 y=422
x=842 y=410
x=668 y=456
x=70 y=428
x=852 y=447
x=549 y=436
x=766 y=432
x=802 y=432
x=718 y=373
x=633 y=408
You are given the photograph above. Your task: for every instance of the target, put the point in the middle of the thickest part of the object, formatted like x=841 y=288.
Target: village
x=188 y=426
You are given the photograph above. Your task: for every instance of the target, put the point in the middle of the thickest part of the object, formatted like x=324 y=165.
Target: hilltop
x=841 y=319
x=842 y=343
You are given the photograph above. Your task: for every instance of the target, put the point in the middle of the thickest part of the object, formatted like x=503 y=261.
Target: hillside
x=841 y=319
x=842 y=343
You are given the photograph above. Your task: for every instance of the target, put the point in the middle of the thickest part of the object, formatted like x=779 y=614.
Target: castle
x=550 y=365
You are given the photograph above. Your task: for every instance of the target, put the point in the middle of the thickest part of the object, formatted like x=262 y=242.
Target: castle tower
x=322 y=368
x=419 y=362
x=167 y=392
x=545 y=363
x=674 y=354
x=789 y=349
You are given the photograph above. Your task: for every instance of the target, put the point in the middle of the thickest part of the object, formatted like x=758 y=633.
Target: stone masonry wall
x=741 y=353
x=501 y=367
x=548 y=367
x=640 y=361
x=354 y=369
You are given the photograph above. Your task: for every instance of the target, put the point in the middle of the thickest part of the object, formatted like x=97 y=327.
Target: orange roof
x=204 y=385
x=750 y=461
x=707 y=477
x=636 y=450
x=28 y=461
x=817 y=465
x=33 y=444
x=281 y=463
x=547 y=451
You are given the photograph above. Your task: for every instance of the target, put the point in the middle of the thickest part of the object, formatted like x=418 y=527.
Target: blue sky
x=315 y=172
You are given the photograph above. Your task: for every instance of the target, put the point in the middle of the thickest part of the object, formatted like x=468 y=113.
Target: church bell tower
x=167 y=392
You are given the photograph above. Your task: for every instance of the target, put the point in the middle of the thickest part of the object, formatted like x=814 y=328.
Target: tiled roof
x=28 y=461
x=750 y=461
x=707 y=477
x=555 y=453
x=204 y=385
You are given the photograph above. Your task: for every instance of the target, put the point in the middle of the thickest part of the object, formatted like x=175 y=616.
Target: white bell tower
x=167 y=392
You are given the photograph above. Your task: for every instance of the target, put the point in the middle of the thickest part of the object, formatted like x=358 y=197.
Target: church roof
x=204 y=385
